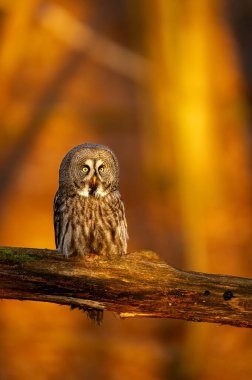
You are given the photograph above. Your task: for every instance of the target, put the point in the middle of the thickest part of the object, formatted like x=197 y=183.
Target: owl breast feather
x=86 y=225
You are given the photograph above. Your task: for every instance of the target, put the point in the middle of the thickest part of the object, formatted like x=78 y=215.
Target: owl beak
x=93 y=181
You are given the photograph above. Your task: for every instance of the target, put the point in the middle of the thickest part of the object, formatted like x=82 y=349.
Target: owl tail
x=96 y=315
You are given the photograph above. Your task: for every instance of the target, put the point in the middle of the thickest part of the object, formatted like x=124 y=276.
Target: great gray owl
x=89 y=214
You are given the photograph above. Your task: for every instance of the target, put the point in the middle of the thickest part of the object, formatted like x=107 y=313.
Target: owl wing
x=123 y=230
x=57 y=219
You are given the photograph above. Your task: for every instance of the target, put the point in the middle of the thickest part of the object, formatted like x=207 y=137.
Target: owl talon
x=91 y=256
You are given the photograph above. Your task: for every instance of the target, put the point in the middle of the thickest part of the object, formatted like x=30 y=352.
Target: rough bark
x=137 y=285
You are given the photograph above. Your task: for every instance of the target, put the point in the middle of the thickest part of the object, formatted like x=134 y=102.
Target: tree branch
x=137 y=285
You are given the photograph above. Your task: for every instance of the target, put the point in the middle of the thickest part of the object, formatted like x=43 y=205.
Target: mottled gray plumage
x=89 y=214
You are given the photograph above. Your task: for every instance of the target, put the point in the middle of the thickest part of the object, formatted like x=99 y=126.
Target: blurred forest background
x=167 y=85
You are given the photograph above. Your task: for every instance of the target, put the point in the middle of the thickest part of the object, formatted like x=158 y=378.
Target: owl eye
x=101 y=168
x=85 y=169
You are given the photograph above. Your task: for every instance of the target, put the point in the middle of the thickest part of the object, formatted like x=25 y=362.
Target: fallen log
x=139 y=284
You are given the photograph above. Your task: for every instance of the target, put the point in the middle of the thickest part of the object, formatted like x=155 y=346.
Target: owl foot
x=91 y=256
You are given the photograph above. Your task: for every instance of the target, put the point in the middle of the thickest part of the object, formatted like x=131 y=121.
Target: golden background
x=166 y=84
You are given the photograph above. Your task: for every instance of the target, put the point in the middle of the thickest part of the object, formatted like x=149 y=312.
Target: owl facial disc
x=90 y=170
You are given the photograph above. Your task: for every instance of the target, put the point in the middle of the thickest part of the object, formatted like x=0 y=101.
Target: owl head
x=90 y=170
